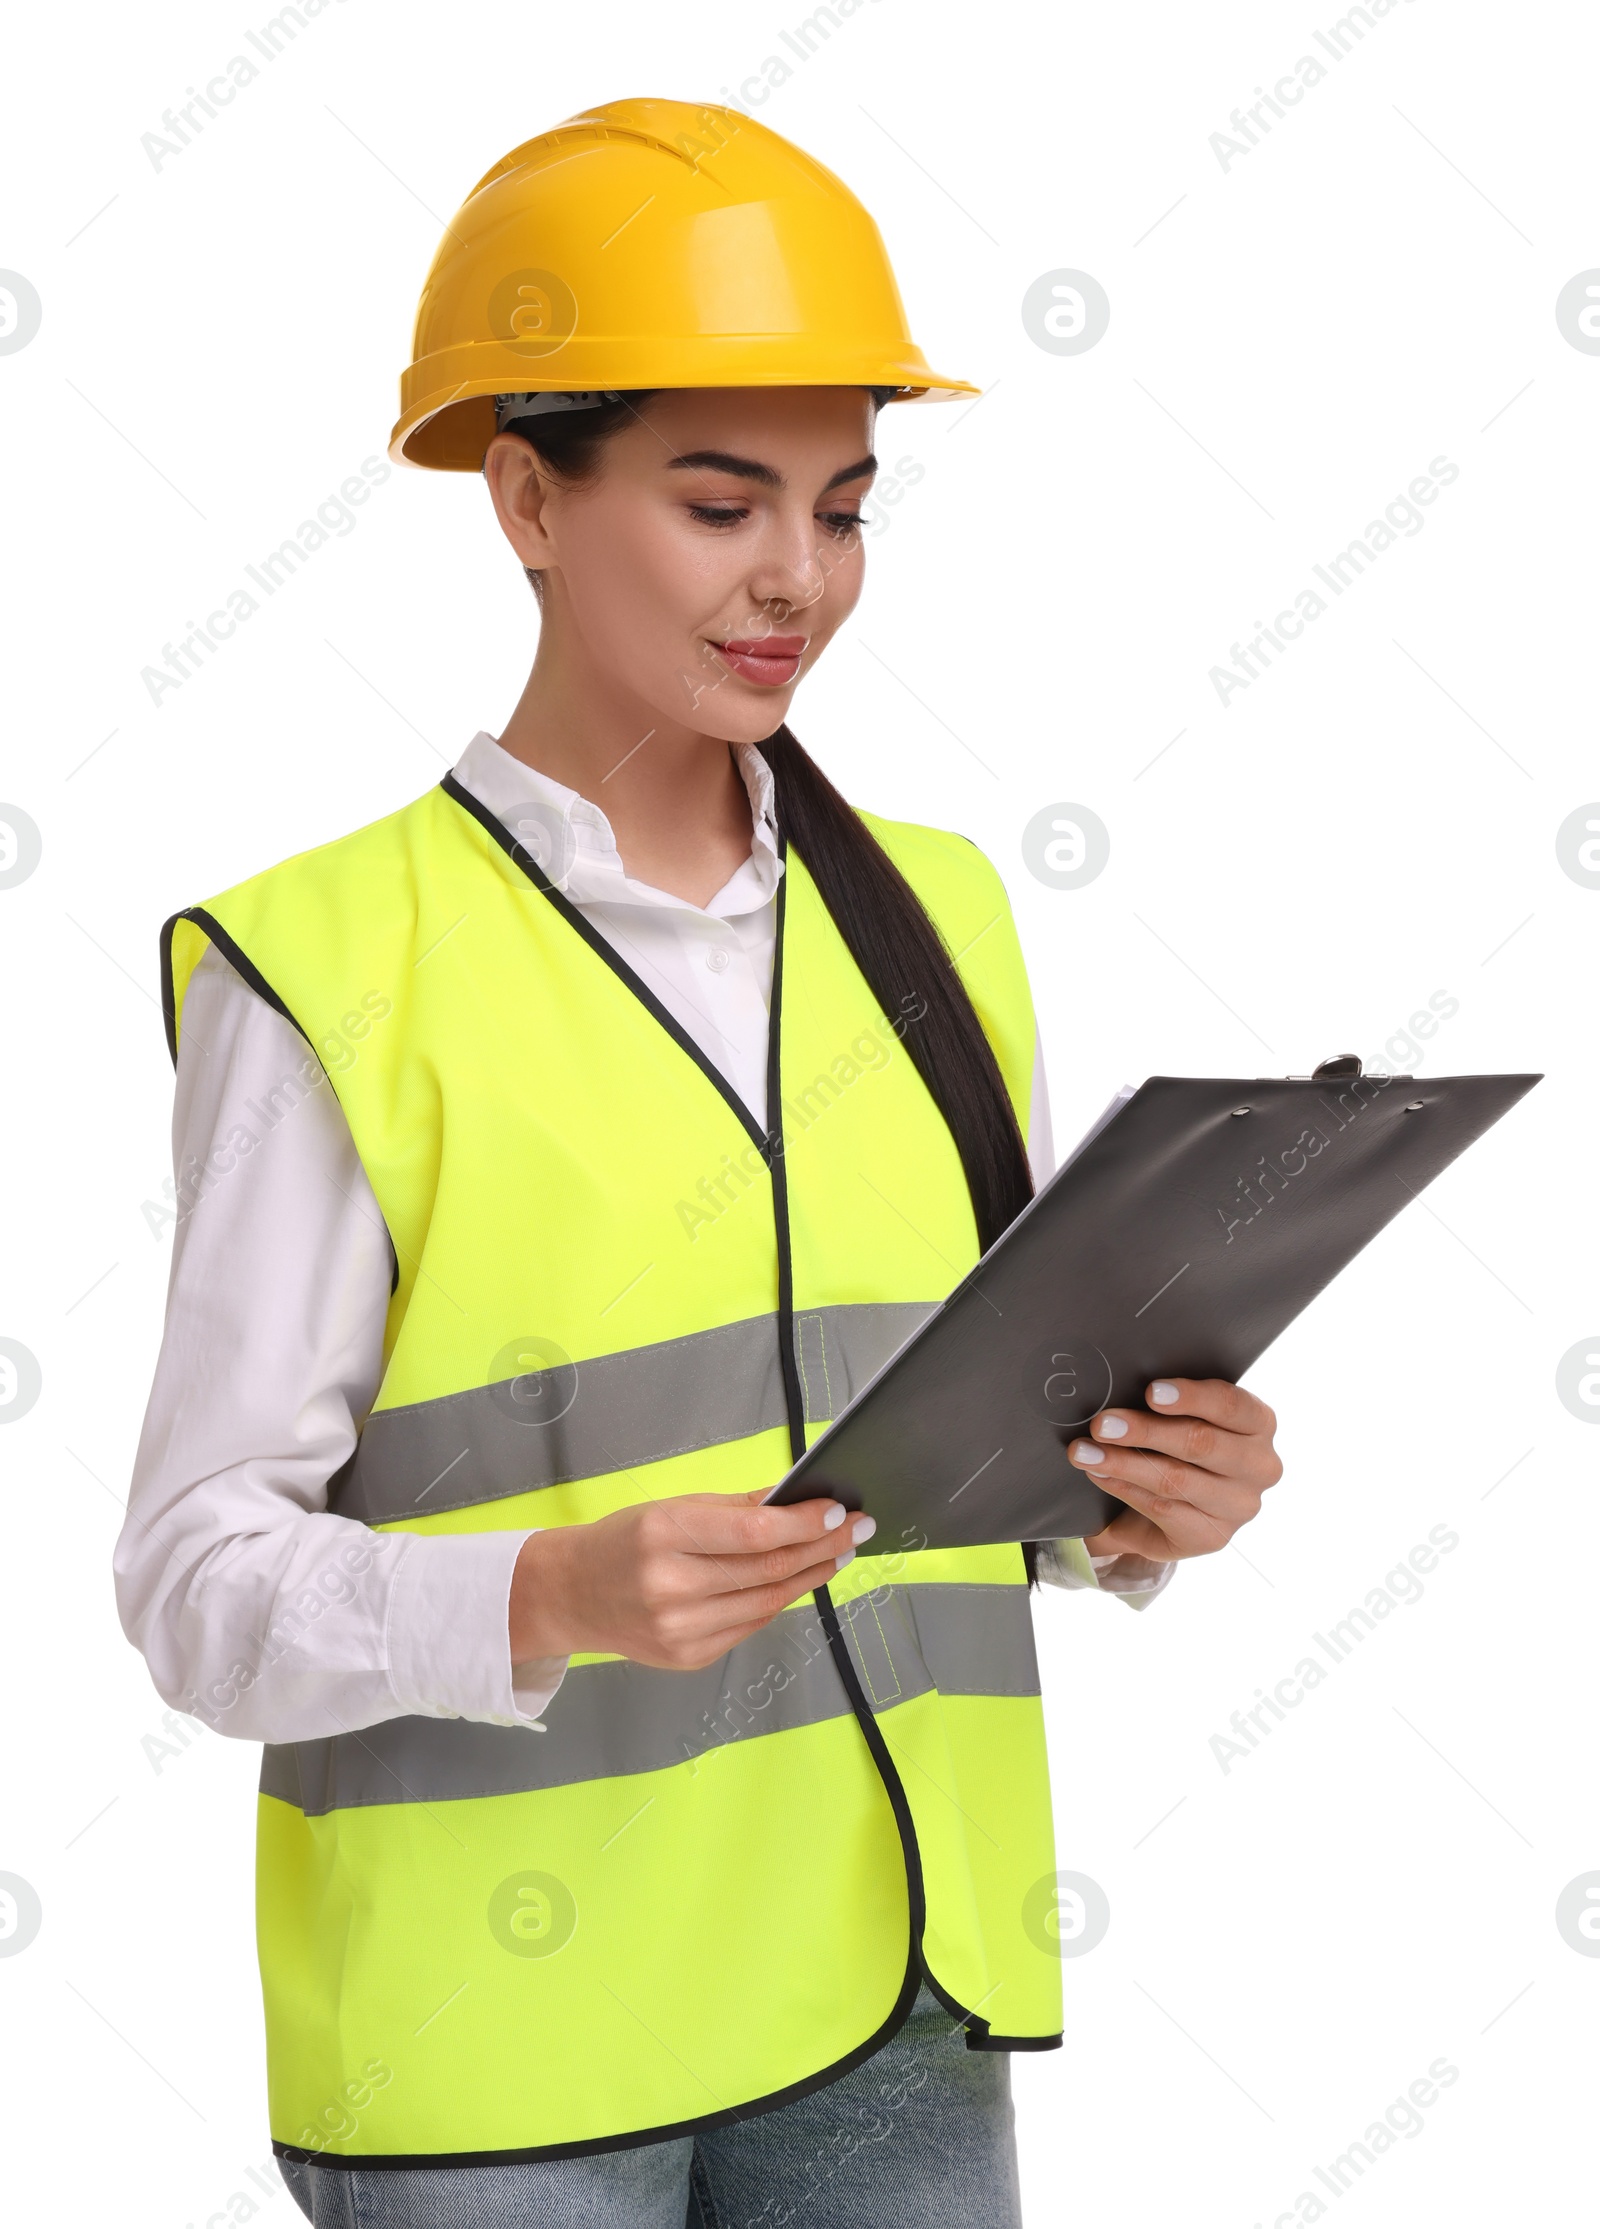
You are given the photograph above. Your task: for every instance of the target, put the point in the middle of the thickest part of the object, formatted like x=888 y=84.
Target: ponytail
x=911 y=974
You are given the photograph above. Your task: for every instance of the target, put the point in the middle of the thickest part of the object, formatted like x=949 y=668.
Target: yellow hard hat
x=650 y=244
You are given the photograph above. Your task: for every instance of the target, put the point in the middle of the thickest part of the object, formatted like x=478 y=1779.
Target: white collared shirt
x=255 y=1607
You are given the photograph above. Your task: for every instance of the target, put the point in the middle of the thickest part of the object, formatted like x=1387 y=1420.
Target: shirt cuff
x=449 y=1637
x=1068 y=1564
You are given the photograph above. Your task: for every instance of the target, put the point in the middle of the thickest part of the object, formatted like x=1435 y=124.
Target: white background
x=1292 y=1942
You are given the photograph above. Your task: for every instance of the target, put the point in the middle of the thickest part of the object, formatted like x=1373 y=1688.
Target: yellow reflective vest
x=695 y=1895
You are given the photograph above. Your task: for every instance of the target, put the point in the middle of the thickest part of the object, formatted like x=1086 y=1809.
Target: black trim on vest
x=633 y=2139
x=494 y=826
x=238 y=960
x=169 y=1002
x=243 y=965
x=979 y=2035
x=788 y=1357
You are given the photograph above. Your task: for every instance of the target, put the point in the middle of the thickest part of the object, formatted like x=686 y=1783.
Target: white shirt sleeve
x=1067 y=1563
x=255 y=1607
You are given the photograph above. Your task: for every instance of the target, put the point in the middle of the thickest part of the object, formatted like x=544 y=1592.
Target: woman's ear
x=519 y=491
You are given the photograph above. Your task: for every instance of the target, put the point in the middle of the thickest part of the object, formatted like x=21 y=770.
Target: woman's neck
x=675 y=798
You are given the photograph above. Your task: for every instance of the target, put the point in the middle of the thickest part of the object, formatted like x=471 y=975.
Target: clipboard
x=1189 y=1228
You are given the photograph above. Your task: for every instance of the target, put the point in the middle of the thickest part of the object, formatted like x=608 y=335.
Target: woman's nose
x=789 y=569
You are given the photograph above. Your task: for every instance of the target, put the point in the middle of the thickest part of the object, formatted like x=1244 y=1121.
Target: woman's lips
x=772 y=662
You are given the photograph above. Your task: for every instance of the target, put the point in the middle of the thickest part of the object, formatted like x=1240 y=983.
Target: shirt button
x=716 y=960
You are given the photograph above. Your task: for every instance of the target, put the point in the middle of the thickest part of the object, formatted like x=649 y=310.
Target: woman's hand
x=1192 y=1471
x=674 y=1583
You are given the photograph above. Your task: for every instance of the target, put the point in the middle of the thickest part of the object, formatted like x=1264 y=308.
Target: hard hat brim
x=446 y=427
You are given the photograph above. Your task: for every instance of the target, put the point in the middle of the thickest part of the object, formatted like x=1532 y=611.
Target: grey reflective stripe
x=582 y=1419
x=611 y=1720
x=840 y=1349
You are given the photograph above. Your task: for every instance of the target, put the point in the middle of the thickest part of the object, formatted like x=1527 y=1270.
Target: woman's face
x=712 y=557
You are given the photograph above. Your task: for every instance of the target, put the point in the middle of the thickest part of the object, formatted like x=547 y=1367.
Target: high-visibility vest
x=695 y=1895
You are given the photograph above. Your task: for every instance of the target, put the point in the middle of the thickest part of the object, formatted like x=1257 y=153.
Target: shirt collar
x=572 y=841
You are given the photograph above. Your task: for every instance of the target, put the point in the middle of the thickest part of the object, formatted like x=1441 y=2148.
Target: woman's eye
x=708 y=516
x=843 y=522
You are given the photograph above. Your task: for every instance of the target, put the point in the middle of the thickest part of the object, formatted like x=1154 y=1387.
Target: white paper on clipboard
x=1114 y=1106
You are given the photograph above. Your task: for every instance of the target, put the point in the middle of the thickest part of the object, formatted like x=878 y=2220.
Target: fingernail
x=836 y=1516
x=863 y=1529
x=1162 y=1391
x=1112 y=1428
x=849 y=1556
x=1085 y=1451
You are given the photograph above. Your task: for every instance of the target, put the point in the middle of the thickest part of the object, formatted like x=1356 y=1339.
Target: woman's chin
x=735 y=722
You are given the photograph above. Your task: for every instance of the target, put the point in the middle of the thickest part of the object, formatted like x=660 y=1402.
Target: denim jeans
x=917 y=2137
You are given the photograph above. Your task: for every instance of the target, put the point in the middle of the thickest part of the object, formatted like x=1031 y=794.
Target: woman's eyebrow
x=764 y=475
x=868 y=463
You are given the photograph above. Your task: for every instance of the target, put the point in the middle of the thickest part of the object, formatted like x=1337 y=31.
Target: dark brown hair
x=885 y=927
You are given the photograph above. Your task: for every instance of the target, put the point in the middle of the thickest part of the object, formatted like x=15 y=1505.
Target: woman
x=628 y=1852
